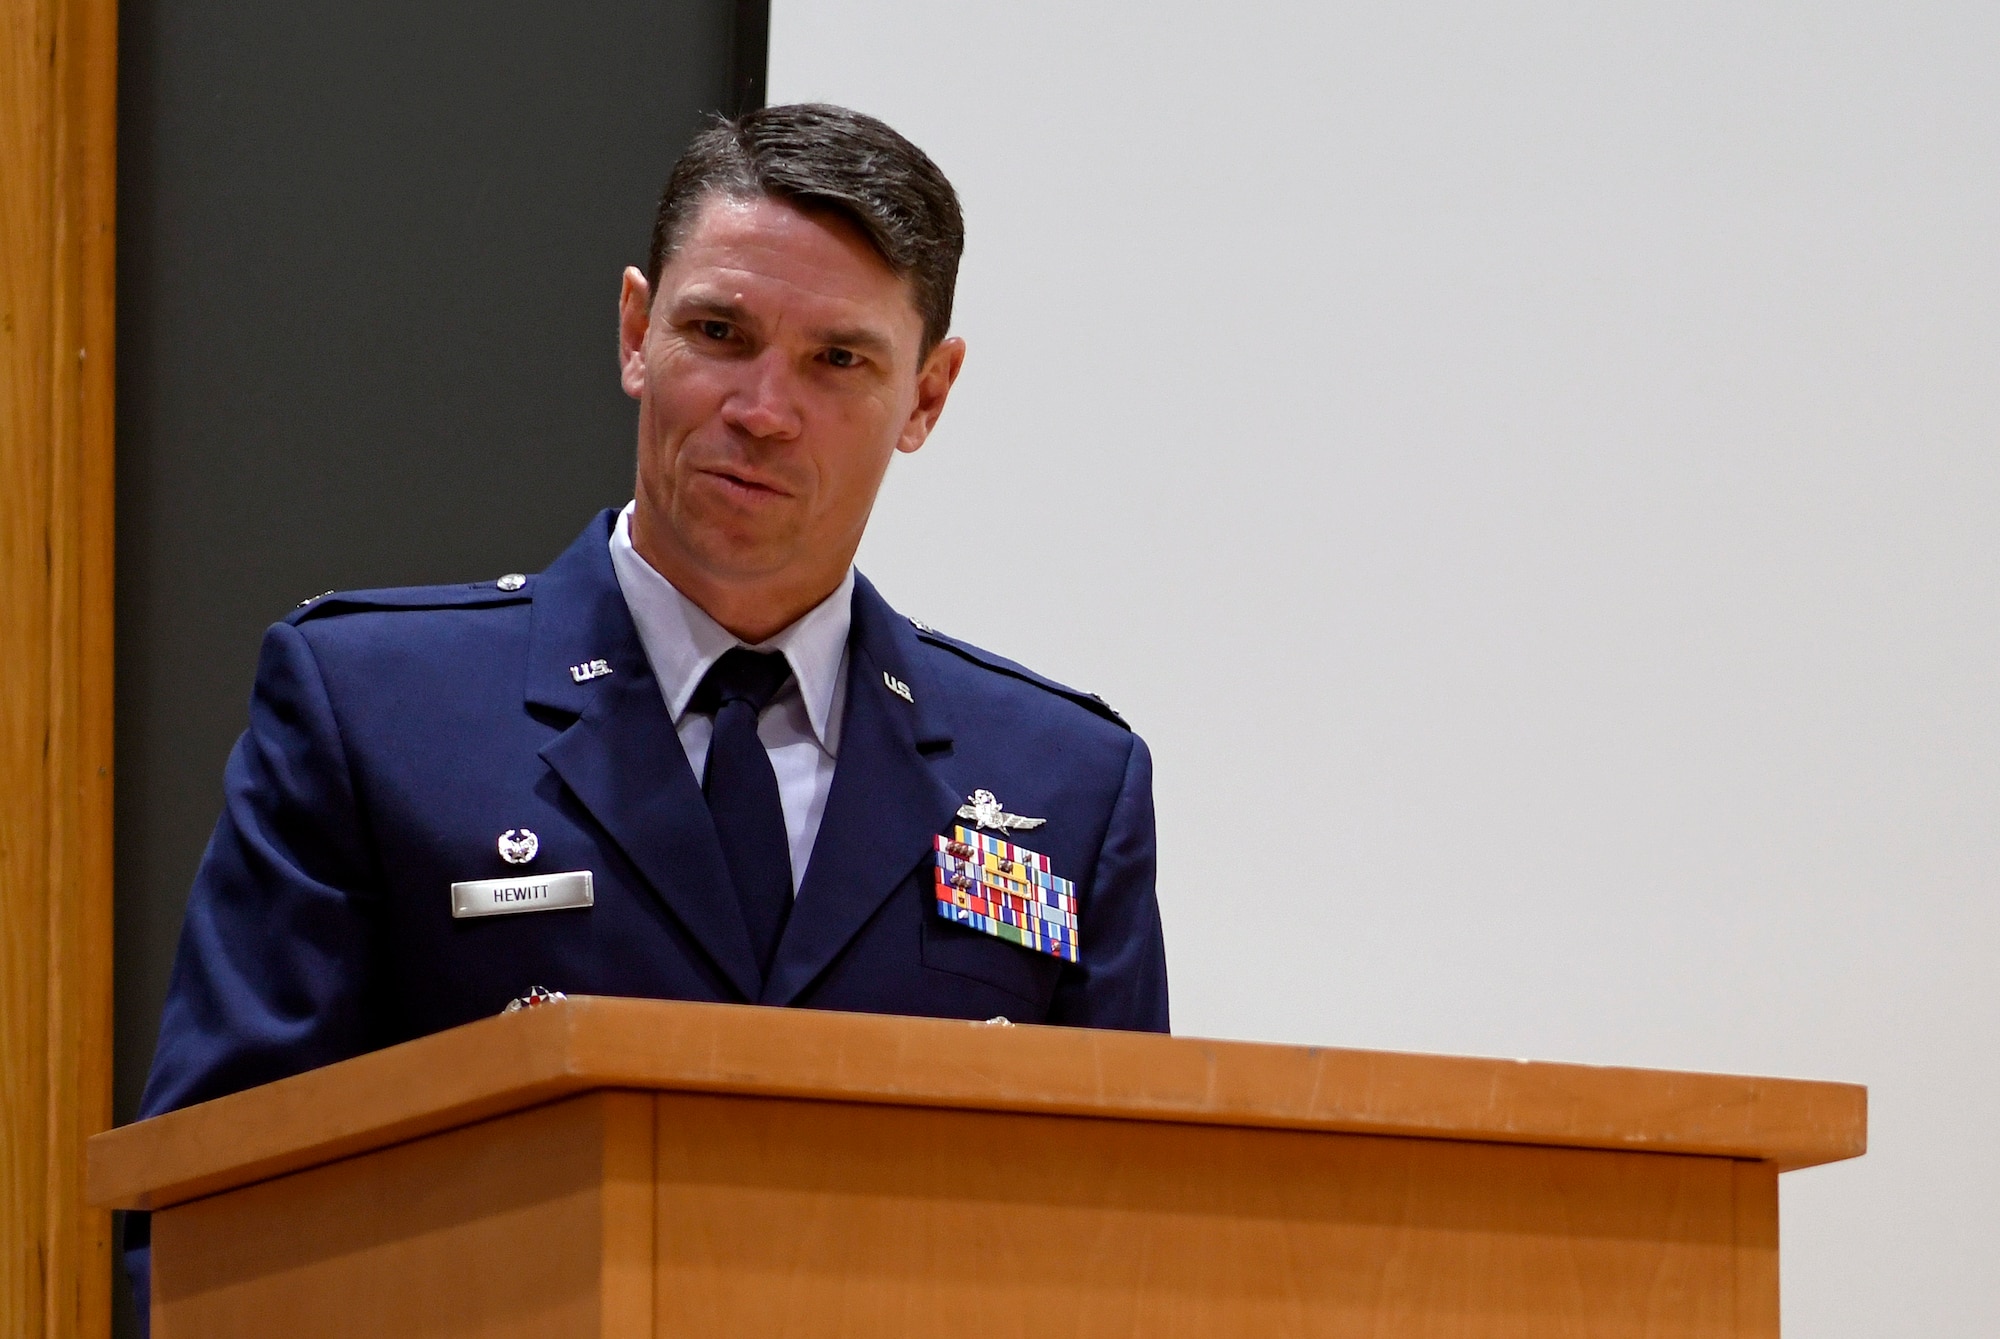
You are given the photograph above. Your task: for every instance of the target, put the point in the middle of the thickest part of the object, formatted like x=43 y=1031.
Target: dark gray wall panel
x=368 y=266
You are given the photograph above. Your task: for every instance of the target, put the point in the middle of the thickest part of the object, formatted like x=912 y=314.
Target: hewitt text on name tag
x=529 y=892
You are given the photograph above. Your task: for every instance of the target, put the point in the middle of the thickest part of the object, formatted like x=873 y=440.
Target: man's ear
x=934 y=383
x=635 y=313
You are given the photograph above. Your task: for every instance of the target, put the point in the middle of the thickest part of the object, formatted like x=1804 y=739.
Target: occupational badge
x=1006 y=891
x=518 y=846
x=984 y=811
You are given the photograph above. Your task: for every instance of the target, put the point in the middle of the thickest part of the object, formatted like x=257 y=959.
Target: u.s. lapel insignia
x=1006 y=891
x=984 y=811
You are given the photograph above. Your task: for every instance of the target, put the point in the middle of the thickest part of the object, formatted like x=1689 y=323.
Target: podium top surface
x=514 y=1061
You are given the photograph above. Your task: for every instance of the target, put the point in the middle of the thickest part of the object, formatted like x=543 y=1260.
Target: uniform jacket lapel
x=620 y=756
x=886 y=805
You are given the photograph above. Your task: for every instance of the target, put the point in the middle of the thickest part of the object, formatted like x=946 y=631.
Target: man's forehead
x=754 y=250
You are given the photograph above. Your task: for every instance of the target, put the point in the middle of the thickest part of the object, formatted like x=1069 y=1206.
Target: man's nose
x=765 y=402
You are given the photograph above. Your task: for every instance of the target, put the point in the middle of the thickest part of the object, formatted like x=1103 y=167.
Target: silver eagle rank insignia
x=984 y=810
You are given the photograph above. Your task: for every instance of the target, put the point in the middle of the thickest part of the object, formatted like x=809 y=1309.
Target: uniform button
x=512 y=581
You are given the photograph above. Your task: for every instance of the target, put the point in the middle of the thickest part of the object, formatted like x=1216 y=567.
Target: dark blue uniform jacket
x=394 y=735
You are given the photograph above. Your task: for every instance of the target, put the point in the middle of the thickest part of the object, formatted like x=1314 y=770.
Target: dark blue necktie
x=742 y=792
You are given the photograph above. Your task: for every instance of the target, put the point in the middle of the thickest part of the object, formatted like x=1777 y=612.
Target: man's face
x=777 y=372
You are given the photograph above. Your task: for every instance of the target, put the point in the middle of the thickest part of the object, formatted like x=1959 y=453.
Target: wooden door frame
x=58 y=111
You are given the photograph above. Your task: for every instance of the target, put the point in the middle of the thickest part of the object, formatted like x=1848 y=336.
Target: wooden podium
x=610 y=1167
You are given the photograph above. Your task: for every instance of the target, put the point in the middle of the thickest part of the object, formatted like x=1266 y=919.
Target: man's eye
x=716 y=329
x=841 y=357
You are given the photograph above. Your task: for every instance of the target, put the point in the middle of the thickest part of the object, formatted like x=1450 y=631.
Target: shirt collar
x=682 y=641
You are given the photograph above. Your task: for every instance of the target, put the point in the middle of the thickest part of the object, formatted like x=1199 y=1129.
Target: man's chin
x=719 y=545
x=741 y=559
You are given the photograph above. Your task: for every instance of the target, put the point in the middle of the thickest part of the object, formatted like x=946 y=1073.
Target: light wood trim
x=628 y=1222
x=1756 y=1211
x=511 y=1061
x=58 y=103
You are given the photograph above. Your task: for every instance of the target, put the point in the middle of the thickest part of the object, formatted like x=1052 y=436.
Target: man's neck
x=752 y=611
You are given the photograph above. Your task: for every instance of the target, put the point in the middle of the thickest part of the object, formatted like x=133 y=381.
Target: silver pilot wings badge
x=984 y=811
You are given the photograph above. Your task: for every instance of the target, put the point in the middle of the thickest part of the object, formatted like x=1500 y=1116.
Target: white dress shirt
x=800 y=728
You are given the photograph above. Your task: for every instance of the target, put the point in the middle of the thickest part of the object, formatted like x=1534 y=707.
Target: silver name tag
x=530 y=892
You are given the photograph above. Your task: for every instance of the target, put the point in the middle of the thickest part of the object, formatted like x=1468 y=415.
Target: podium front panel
x=820 y=1220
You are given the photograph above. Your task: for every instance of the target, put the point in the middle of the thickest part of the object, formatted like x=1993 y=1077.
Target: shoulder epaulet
x=1090 y=702
x=510 y=589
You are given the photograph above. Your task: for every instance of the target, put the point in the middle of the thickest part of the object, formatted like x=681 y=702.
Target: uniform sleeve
x=273 y=971
x=1121 y=981
x=272 y=974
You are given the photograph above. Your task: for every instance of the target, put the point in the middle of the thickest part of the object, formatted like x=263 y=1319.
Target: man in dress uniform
x=698 y=757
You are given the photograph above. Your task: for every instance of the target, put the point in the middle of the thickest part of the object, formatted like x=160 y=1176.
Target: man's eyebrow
x=854 y=337
x=696 y=304
x=705 y=306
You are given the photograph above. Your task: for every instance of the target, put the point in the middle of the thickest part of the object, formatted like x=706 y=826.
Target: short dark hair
x=821 y=157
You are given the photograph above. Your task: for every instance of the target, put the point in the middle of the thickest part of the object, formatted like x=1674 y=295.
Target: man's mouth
x=744 y=485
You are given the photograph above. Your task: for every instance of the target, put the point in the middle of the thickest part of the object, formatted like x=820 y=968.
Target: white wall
x=1530 y=473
